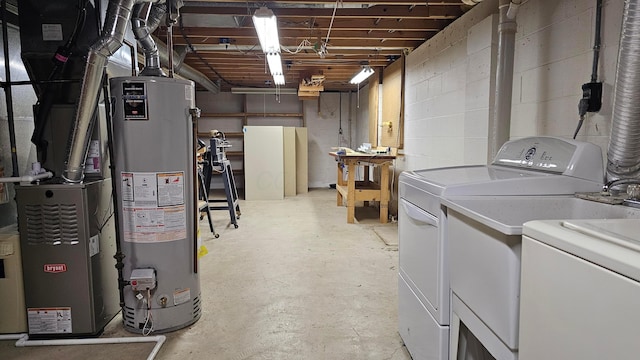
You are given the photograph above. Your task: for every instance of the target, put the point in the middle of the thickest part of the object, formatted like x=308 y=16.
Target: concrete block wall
x=450 y=80
x=553 y=58
x=449 y=89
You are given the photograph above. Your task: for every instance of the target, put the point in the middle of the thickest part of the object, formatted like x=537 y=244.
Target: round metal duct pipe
x=623 y=155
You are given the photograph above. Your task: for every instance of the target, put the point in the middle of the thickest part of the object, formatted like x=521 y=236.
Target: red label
x=55 y=268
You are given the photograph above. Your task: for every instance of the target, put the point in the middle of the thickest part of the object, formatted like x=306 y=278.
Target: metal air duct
x=185 y=70
x=118 y=15
x=623 y=155
x=143 y=23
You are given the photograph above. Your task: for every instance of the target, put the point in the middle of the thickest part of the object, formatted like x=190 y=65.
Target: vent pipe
x=156 y=52
x=185 y=70
x=143 y=23
x=500 y=123
x=118 y=15
x=623 y=155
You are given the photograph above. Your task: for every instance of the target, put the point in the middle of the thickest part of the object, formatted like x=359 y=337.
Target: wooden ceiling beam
x=196 y=33
x=373 y=44
x=383 y=11
x=331 y=2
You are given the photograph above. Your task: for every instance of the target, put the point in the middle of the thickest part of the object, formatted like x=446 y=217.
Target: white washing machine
x=580 y=290
x=528 y=166
x=485 y=241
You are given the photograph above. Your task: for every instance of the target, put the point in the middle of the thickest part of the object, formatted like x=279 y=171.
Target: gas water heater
x=154 y=156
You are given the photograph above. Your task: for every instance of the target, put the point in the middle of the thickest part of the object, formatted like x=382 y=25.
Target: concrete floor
x=294 y=281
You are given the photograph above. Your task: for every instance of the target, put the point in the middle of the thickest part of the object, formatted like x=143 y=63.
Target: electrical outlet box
x=143 y=279
x=592 y=93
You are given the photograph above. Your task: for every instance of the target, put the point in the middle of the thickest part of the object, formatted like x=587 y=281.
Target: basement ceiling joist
x=223 y=45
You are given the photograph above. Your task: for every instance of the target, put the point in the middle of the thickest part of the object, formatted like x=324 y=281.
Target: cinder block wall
x=450 y=79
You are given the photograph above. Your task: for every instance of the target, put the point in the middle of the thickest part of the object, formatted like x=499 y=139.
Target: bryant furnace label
x=135 y=101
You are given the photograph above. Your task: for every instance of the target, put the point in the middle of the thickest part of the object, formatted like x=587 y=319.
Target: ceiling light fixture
x=266 y=26
x=275 y=63
x=362 y=75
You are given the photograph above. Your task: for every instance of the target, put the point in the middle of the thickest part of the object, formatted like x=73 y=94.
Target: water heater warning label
x=153 y=206
x=49 y=320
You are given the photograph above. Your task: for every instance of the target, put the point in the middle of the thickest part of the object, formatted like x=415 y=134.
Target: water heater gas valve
x=143 y=279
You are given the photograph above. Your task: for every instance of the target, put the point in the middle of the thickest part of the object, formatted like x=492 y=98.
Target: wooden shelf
x=234 y=153
x=238 y=134
x=231 y=115
x=219 y=115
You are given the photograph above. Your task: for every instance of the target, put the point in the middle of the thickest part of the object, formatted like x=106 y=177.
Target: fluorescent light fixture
x=362 y=75
x=275 y=63
x=266 y=26
x=278 y=79
x=268 y=91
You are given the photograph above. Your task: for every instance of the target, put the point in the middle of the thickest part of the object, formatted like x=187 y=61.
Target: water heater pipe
x=115 y=25
x=500 y=123
x=23 y=341
x=623 y=154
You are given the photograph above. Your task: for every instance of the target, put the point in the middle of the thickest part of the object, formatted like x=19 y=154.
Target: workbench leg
x=366 y=181
x=340 y=181
x=384 y=193
x=351 y=193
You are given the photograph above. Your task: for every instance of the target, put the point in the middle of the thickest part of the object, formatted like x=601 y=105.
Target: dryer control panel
x=552 y=154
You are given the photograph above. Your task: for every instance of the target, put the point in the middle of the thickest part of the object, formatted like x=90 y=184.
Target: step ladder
x=217 y=162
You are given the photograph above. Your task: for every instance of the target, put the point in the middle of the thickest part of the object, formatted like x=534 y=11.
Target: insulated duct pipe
x=500 y=124
x=143 y=23
x=623 y=155
x=118 y=15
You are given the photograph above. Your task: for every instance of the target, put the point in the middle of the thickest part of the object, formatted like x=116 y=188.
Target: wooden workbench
x=365 y=190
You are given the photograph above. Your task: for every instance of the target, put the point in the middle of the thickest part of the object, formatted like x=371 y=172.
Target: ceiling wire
x=323 y=47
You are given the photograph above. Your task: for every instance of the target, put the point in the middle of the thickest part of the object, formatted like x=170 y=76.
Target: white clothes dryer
x=528 y=166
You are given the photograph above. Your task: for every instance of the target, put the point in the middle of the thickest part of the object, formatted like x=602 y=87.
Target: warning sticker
x=181 y=296
x=92 y=163
x=155 y=225
x=144 y=190
x=127 y=187
x=94 y=245
x=154 y=206
x=49 y=320
x=170 y=189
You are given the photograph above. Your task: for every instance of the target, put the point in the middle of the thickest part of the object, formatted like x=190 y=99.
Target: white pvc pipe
x=23 y=341
x=27 y=178
x=11 y=336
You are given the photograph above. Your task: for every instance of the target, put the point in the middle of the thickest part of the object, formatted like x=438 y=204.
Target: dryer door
x=419 y=253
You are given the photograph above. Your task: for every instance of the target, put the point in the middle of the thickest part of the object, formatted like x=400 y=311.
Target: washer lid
x=623 y=232
x=495 y=180
x=610 y=243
